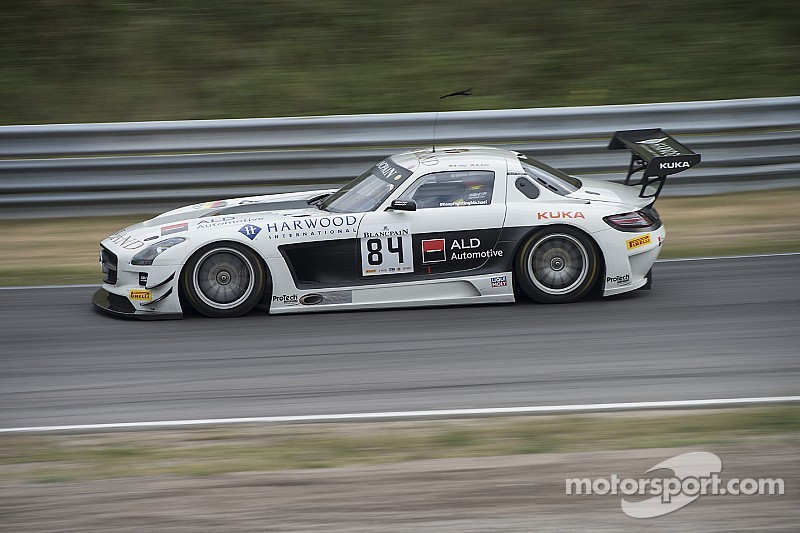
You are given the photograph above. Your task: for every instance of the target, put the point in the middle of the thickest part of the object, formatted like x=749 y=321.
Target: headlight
x=146 y=256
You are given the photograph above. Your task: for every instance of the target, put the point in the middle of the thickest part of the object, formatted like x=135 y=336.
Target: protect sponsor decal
x=126 y=241
x=140 y=294
x=552 y=215
x=619 y=280
x=433 y=251
x=638 y=241
x=499 y=281
x=286 y=299
x=250 y=231
x=174 y=228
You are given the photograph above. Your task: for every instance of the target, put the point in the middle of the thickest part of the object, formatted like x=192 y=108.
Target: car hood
x=238 y=206
x=217 y=213
x=605 y=191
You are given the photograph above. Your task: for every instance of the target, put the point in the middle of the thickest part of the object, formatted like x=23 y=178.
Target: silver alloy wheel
x=558 y=263
x=223 y=278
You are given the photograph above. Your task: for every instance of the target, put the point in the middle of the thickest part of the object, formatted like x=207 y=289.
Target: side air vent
x=526 y=187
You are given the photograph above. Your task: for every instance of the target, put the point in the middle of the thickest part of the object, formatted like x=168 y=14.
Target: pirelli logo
x=140 y=294
x=638 y=241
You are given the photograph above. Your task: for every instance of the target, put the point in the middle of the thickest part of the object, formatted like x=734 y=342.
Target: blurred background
x=709 y=329
x=111 y=60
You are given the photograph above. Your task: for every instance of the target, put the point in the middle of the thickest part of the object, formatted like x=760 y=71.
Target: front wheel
x=556 y=265
x=223 y=280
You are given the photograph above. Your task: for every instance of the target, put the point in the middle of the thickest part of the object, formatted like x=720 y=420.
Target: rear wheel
x=223 y=280
x=556 y=265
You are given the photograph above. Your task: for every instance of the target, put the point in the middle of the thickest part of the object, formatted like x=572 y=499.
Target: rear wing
x=657 y=154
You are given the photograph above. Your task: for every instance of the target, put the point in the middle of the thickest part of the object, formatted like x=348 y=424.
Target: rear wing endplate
x=657 y=154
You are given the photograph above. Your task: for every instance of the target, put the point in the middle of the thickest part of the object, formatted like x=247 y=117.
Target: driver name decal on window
x=386 y=249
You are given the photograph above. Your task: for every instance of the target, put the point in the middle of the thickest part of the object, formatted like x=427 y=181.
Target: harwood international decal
x=311 y=227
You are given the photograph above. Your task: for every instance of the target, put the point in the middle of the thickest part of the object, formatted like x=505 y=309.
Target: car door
x=453 y=231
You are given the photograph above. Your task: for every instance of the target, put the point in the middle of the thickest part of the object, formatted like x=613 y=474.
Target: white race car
x=443 y=226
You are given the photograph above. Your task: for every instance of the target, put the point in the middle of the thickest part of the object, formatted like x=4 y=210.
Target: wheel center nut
x=557 y=263
x=223 y=278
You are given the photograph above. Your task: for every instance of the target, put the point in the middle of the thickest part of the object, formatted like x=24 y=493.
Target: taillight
x=641 y=219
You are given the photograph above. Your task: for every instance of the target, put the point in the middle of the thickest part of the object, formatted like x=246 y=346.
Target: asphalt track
x=726 y=328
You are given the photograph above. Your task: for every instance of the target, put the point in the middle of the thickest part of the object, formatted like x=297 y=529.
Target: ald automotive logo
x=691 y=475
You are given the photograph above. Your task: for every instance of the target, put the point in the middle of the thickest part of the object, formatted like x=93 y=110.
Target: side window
x=455 y=188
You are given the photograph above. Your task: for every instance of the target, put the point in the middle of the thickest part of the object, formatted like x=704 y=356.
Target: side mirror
x=403 y=205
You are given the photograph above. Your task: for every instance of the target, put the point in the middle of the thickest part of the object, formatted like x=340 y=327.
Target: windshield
x=368 y=191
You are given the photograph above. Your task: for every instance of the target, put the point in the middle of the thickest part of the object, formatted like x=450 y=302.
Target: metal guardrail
x=68 y=169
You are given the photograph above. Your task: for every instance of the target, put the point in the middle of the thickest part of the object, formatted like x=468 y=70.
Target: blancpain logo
x=386 y=232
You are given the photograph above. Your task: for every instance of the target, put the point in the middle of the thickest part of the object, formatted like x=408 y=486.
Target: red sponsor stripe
x=433 y=245
x=176 y=226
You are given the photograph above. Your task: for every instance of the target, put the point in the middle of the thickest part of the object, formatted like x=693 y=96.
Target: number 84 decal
x=386 y=249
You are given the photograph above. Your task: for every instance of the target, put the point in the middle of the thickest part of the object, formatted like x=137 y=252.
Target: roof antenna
x=467 y=92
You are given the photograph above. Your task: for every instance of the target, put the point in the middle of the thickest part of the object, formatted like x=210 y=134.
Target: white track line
x=678 y=260
x=399 y=415
x=681 y=259
x=48 y=287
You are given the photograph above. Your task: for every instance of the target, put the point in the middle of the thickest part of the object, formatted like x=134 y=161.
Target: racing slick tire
x=556 y=265
x=223 y=280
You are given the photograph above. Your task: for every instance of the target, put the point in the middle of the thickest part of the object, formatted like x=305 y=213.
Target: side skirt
x=485 y=288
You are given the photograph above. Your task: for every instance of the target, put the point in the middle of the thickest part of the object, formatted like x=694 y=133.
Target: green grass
x=101 y=61
x=65 y=250
x=218 y=450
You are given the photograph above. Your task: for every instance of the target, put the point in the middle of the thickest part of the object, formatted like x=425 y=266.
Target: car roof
x=445 y=155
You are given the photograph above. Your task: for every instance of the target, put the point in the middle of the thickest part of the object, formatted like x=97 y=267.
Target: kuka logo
x=550 y=215
x=674 y=164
